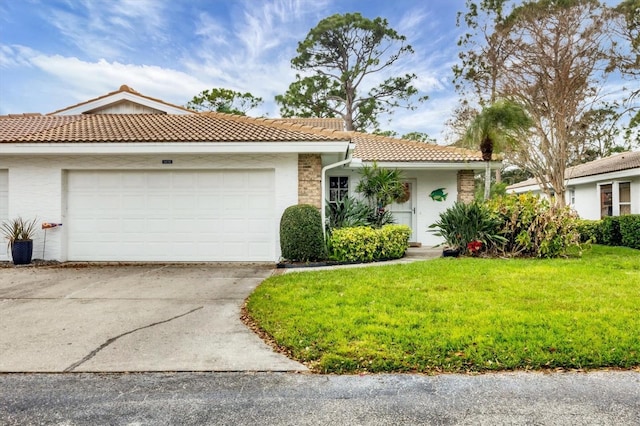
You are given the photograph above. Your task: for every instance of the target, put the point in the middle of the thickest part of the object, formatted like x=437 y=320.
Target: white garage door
x=213 y=215
x=4 y=208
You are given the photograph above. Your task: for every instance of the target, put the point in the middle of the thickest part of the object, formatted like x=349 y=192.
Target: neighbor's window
x=615 y=199
x=572 y=196
x=606 y=200
x=625 y=197
x=338 y=188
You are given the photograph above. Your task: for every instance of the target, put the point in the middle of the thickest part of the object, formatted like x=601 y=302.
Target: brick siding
x=309 y=179
x=466 y=186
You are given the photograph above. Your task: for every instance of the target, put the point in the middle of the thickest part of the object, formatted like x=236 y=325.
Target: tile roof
x=215 y=127
x=371 y=147
x=382 y=148
x=204 y=127
x=615 y=163
x=329 y=123
x=123 y=88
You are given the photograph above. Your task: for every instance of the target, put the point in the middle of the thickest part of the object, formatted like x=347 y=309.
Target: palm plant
x=380 y=187
x=497 y=127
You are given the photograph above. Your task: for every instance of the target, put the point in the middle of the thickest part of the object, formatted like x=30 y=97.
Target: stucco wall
x=427 y=210
x=588 y=197
x=36 y=184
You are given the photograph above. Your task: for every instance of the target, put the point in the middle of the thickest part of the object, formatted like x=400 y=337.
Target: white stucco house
x=133 y=178
x=606 y=187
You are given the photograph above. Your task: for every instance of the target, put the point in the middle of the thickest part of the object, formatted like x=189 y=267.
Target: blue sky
x=55 y=53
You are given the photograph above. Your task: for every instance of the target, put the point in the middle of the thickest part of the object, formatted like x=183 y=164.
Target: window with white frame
x=625 y=197
x=338 y=188
x=572 y=197
x=615 y=199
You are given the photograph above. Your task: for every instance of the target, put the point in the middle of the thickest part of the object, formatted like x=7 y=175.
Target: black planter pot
x=21 y=252
x=450 y=252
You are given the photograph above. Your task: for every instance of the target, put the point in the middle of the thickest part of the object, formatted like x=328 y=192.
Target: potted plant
x=19 y=233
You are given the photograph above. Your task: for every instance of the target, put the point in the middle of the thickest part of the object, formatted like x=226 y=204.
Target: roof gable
x=123 y=101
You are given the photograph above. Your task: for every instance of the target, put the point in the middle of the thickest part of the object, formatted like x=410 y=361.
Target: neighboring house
x=133 y=178
x=606 y=187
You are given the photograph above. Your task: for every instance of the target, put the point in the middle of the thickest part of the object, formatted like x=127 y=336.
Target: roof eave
x=442 y=165
x=30 y=148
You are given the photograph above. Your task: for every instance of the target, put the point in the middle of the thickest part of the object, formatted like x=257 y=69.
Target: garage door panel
x=177 y=215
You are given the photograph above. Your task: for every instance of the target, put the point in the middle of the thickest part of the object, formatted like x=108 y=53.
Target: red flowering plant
x=474 y=247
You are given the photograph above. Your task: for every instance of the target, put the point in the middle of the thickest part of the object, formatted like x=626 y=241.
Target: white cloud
x=212 y=32
x=108 y=29
x=76 y=80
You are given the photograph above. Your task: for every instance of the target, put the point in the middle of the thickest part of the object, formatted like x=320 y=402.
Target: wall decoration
x=407 y=194
x=439 y=194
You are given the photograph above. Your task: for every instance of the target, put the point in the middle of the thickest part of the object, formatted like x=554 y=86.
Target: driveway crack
x=113 y=339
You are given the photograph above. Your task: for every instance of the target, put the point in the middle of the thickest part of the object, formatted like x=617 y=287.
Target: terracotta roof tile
x=328 y=123
x=382 y=148
x=205 y=127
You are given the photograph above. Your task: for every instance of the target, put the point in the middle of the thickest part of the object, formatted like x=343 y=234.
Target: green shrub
x=301 y=237
x=394 y=240
x=590 y=231
x=610 y=229
x=630 y=230
x=463 y=223
x=366 y=244
x=534 y=227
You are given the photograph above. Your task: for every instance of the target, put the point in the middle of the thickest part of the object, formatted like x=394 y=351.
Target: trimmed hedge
x=629 y=226
x=366 y=244
x=590 y=231
x=612 y=231
x=301 y=237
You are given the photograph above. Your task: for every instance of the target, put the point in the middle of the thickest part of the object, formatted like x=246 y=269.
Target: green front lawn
x=459 y=315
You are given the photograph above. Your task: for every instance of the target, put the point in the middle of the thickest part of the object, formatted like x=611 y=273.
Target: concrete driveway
x=131 y=318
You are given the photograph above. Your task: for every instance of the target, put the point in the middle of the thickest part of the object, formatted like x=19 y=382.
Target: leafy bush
x=394 y=240
x=630 y=230
x=590 y=230
x=366 y=244
x=533 y=227
x=301 y=237
x=347 y=213
x=463 y=223
x=610 y=228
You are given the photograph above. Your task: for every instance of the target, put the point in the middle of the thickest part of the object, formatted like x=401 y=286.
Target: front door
x=405 y=212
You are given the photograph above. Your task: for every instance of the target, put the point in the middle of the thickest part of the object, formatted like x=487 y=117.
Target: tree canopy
x=224 y=100
x=553 y=57
x=336 y=60
x=500 y=126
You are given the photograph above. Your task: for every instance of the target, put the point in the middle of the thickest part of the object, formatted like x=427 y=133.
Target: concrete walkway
x=131 y=318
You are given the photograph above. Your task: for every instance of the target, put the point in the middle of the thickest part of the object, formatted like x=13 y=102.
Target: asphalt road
x=598 y=398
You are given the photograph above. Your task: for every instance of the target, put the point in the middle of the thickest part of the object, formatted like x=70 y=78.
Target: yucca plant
x=18 y=229
x=347 y=213
x=463 y=223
